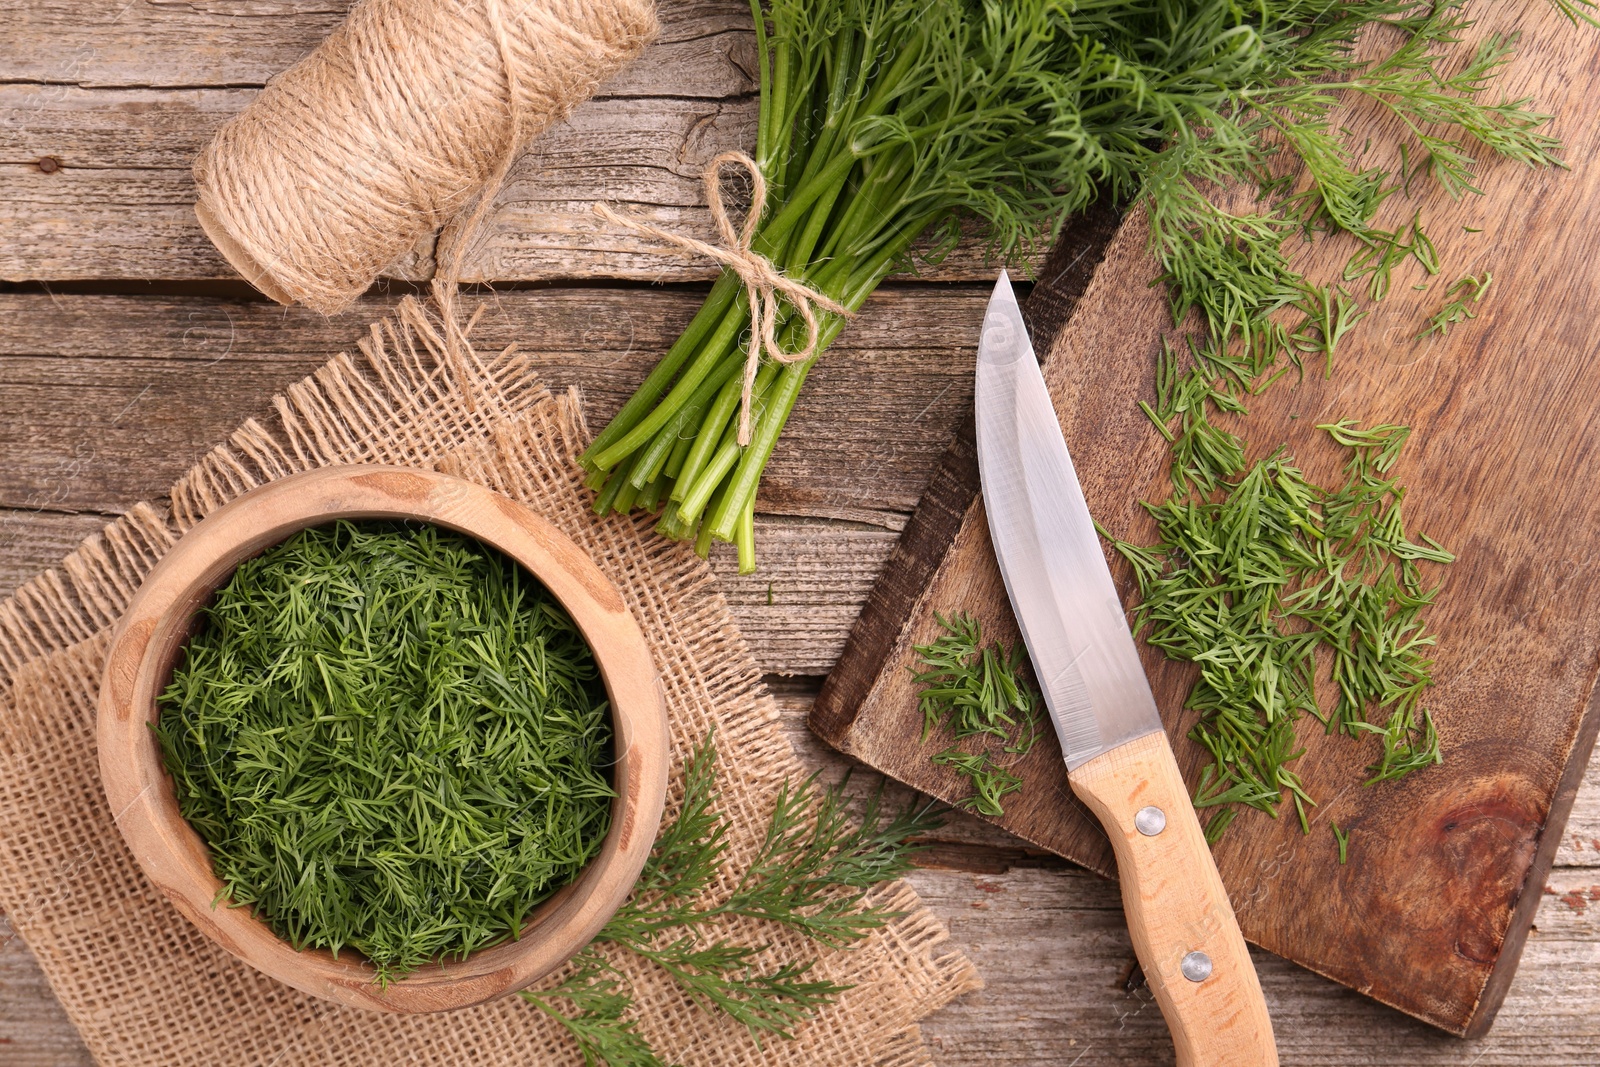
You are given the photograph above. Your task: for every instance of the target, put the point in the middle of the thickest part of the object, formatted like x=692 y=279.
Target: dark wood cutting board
x=1446 y=866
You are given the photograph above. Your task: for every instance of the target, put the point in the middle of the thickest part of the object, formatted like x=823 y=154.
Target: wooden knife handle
x=1176 y=906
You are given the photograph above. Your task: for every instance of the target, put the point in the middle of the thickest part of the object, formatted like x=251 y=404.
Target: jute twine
x=391 y=127
x=147 y=989
x=764 y=283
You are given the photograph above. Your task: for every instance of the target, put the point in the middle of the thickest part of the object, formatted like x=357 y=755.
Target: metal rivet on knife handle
x=1196 y=966
x=1150 y=820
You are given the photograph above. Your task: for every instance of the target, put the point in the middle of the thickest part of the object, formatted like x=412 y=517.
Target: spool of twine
x=406 y=115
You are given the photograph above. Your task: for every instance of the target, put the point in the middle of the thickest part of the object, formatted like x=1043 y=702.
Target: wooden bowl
x=161 y=618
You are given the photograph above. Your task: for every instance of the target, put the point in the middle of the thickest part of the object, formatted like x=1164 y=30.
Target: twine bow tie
x=764 y=284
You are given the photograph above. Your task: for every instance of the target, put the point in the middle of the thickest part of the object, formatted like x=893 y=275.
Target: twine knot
x=764 y=284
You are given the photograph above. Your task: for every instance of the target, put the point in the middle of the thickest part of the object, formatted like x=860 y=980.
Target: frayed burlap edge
x=145 y=988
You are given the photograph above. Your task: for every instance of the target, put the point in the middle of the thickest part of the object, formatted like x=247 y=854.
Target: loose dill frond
x=1342 y=839
x=1408 y=745
x=1234 y=268
x=592 y=1003
x=1330 y=313
x=990 y=782
x=1384 y=250
x=392 y=739
x=1458 y=305
x=970 y=689
x=820 y=856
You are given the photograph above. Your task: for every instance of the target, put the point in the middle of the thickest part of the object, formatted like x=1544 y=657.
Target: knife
x=1118 y=759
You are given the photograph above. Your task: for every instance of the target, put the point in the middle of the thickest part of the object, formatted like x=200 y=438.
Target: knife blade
x=1119 y=761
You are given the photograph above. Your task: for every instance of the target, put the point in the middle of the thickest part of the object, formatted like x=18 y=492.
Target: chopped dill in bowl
x=392 y=739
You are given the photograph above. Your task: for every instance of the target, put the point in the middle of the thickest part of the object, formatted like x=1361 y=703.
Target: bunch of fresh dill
x=882 y=121
x=392 y=739
x=974 y=690
x=811 y=874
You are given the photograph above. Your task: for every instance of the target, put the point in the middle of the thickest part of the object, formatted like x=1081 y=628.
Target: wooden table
x=126 y=350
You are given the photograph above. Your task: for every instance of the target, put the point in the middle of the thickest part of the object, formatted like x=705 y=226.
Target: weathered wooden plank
x=102 y=110
x=1504 y=415
x=813 y=577
x=34 y=539
x=107 y=400
x=706 y=47
x=1580 y=845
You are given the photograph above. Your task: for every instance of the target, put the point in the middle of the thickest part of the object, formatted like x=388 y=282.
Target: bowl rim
x=172 y=854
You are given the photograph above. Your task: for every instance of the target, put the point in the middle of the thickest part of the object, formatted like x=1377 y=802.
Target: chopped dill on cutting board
x=972 y=693
x=392 y=739
x=1258 y=576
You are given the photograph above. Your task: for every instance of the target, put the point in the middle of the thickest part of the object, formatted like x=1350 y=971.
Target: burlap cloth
x=146 y=988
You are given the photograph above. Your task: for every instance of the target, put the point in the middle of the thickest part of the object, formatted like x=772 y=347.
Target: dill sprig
x=812 y=872
x=1458 y=305
x=592 y=1003
x=991 y=782
x=1258 y=575
x=392 y=739
x=974 y=690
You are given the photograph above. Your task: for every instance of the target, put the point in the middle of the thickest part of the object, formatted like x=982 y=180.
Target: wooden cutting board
x=1446 y=866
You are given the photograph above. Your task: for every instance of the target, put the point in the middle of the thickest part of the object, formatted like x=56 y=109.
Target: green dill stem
x=628 y=493
x=727 y=454
x=680 y=452
x=798 y=255
x=820 y=150
x=711 y=429
x=723 y=294
x=650 y=495
x=709 y=481
x=605 y=503
x=726 y=335
x=657 y=455
x=770 y=101
x=786 y=391
x=702 y=542
x=672 y=526
x=867 y=215
x=762 y=442
x=746 y=539
x=808 y=194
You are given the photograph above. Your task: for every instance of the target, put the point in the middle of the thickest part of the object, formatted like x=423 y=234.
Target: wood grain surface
x=109 y=386
x=1504 y=411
